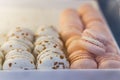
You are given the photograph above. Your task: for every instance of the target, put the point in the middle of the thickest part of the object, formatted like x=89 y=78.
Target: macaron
x=23 y=40
x=52 y=61
x=51 y=51
x=49 y=39
x=109 y=62
x=45 y=45
x=71 y=39
x=69 y=33
x=80 y=54
x=18 y=64
x=47 y=31
x=92 y=33
x=12 y=44
x=70 y=18
x=84 y=64
x=92 y=16
x=19 y=53
x=21 y=32
x=85 y=8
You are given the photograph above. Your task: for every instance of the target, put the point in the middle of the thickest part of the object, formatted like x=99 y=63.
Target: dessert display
x=82 y=41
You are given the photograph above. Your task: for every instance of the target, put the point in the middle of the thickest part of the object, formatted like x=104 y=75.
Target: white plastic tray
x=32 y=14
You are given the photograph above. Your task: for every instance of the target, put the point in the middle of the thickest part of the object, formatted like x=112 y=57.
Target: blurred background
x=111 y=11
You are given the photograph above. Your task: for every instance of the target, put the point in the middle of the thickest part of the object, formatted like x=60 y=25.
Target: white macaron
x=47 y=31
x=18 y=64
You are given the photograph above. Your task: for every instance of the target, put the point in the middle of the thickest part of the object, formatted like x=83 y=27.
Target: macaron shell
x=18 y=64
x=70 y=17
x=84 y=64
x=23 y=40
x=44 y=45
x=52 y=61
x=85 y=8
x=92 y=46
x=91 y=16
x=71 y=39
x=110 y=64
x=19 y=53
x=50 y=51
x=67 y=34
x=49 y=39
x=91 y=33
x=21 y=32
x=47 y=31
x=11 y=45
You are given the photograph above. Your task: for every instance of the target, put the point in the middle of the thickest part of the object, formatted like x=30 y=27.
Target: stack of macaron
x=71 y=33
x=88 y=41
x=49 y=49
x=97 y=39
x=18 y=50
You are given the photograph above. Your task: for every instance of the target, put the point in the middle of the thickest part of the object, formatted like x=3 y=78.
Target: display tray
x=32 y=14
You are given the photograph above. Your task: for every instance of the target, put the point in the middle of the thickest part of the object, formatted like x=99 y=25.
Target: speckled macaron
x=52 y=61
x=47 y=31
x=13 y=44
x=18 y=64
x=23 y=40
x=49 y=39
x=18 y=53
x=45 y=45
x=22 y=33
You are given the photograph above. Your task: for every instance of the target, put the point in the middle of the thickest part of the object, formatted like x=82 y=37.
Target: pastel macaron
x=85 y=8
x=47 y=31
x=52 y=61
x=18 y=64
x=71 y=39
x=70 y=18
x=109 y=62
x=82 y=60
x=22 y=33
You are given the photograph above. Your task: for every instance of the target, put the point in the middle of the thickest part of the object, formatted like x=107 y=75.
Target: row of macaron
x=87 y=39
x=26 y=51
x=49 y=49
x=18 y=49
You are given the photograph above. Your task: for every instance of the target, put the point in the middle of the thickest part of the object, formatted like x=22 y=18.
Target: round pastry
x=109 y=62
x=23 y=40
x=69 y=33
x=19 y=53
x=22 y=33
x=18 y=64
x=45 y=45
x=47 y=31
x=51 y=51
x=52 y=61
x=85 y=8
x=12 y=44
x=84 y=64
x=70 y=18
x=49 y=39
x=92 y=16
x=71 y=39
